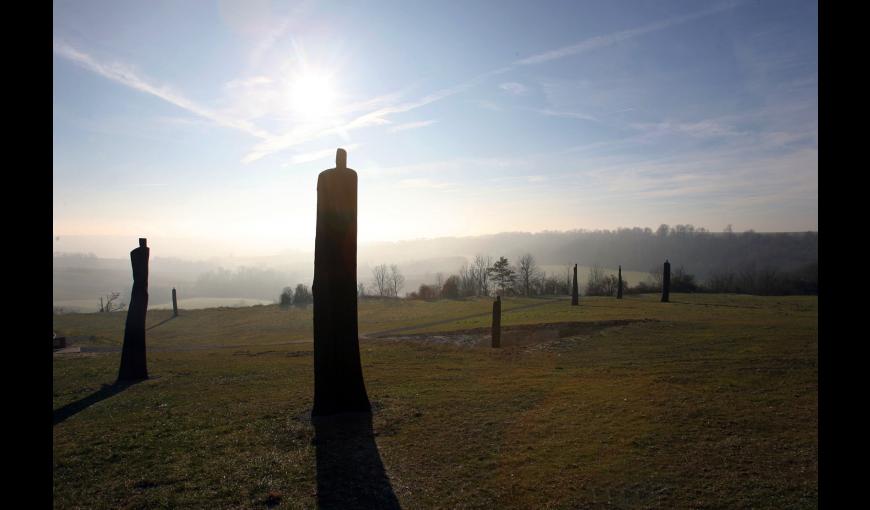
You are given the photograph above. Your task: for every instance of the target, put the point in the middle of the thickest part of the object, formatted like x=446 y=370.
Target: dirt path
x=545 y=335
x=187 y=348
x=173 y=348
x=387 y=332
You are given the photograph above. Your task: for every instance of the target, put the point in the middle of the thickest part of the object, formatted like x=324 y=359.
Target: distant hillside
x=82 y=279
x=79 y=279
x=701 y=253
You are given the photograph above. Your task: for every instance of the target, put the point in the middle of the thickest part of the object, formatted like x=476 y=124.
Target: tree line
x=636 y=249
x=485 y=276
x=300 y=298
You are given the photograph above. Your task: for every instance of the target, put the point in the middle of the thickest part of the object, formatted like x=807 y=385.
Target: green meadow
x=710 y=401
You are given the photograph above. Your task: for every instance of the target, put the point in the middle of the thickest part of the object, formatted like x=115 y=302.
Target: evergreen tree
x=502 y=274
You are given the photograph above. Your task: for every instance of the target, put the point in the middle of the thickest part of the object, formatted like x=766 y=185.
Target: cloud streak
x=609 y=39
x=568 y=115
x=411 y=125
x=124 y=75
x=514 y=88
x=307 y=157
x=380 y=108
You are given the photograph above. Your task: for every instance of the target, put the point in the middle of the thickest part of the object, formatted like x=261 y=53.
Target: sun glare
x=312 y=94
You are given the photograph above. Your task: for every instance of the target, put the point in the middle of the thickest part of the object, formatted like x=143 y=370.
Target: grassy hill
x=711 y=401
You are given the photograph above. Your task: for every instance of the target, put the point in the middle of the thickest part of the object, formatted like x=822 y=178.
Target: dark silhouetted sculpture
x=338 y=379
x=133 y=365
x=575 y=293
x=666 y=283
x=619 y=284
x=174 y=304
x=496 y=322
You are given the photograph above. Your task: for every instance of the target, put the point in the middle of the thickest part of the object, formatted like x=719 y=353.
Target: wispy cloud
x=609 y=39
x=377 y=111
x=722 y=177
x=707 y=128
x=514 y=88
x=253 y=81
x=411 y=125
x=124 y=75
x=307 y=157
x=268 y=40
x=422 y=183
x=488 y=105
x=566 y=114
x=443 y=167
x=377 y=117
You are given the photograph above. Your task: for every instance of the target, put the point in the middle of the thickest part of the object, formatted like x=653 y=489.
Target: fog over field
x=80 y=279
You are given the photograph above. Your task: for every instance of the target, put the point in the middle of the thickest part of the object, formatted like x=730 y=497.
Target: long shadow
x=350 y=473
x=108 y=390
x=160 y=323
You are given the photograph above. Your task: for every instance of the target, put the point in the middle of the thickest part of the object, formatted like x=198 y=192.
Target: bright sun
x=312 y=94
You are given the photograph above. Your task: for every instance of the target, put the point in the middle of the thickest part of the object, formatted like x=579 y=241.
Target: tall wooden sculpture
x=575 y=293
x=619 y=284
x=666 y=283
x=338 y=379
x=174 y=303
x=133 y=365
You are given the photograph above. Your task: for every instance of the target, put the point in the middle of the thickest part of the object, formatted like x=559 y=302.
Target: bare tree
x=655 y=275
x=555 y=284
x=595 y=281
x=601 y=284
x=467 y=281
x=480 y=270
x=302 y=297
x=538 y=284
x=286 y=298
x=381 y=276
x=439 y=282
x=110 y=306
x=527 y=272
x=451 y=289
x=396 y=280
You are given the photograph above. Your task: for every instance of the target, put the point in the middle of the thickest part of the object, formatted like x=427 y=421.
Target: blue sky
x=209 y=121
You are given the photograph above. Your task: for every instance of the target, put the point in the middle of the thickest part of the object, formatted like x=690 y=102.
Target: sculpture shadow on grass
x=350 y=473
x=108 y=390
x=160 y=323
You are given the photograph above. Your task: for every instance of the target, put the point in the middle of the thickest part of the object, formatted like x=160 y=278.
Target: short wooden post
x=496 y=322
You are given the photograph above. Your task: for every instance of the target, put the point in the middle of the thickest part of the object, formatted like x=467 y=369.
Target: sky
x=204 y=124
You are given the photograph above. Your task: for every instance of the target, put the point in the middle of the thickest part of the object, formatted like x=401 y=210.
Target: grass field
x=712 y=404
